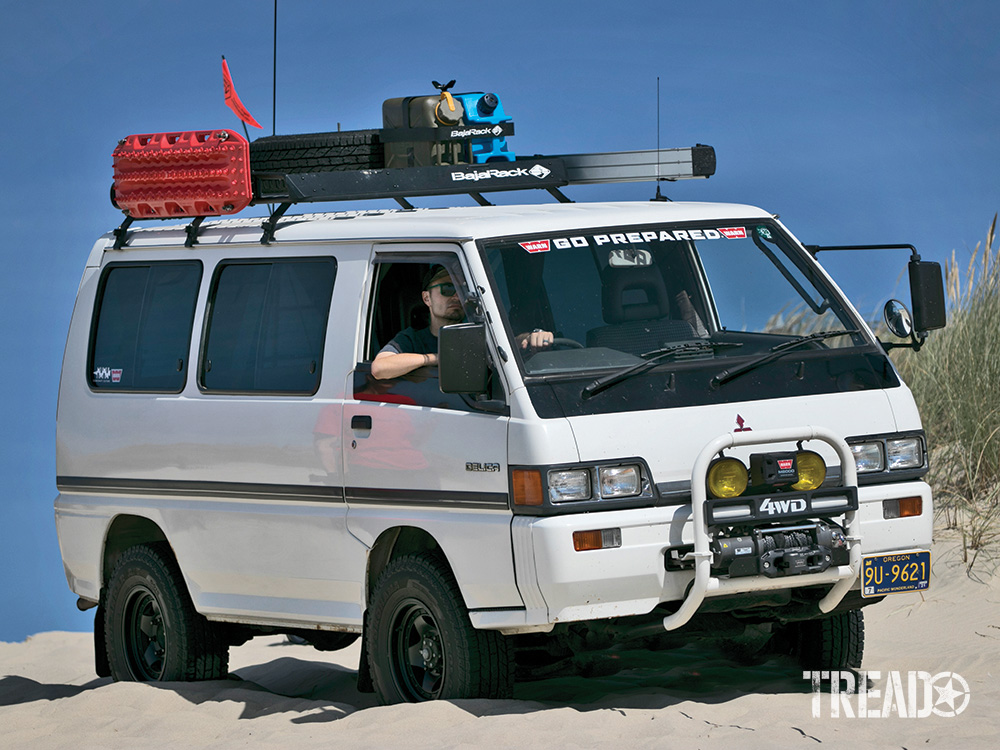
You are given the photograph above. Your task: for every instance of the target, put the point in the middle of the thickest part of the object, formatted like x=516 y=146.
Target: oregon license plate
x=896 y=573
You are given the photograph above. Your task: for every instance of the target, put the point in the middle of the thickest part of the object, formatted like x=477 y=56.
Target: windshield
x=699 y=302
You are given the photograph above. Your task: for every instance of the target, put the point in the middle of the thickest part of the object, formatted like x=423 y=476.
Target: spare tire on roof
x=318 y=152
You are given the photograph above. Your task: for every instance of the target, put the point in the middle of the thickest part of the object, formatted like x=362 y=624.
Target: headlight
x=889 y=453
x=905 y=453
x=620 y=481
x=569 y=484
x=868 y=457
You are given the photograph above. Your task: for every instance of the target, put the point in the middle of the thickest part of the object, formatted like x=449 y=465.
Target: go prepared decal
x=634 y=238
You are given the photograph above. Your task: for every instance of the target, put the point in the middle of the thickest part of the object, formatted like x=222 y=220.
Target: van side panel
x=247 y=488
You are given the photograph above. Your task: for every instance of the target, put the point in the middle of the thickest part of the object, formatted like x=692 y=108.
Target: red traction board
x=192 y=173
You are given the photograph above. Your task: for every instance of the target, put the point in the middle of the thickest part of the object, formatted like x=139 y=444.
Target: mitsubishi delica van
x=710 y=438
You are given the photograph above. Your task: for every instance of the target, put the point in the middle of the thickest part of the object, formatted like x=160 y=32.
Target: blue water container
x=486 y=109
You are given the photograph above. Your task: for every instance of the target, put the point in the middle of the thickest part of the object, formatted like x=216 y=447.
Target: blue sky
x=856 y=121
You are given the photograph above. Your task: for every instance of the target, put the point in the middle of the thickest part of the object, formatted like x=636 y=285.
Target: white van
x=710 y=436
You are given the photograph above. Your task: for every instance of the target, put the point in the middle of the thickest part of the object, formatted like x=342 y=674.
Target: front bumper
x=559 y=584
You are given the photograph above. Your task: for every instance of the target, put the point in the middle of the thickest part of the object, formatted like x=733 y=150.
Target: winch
x=780 y=551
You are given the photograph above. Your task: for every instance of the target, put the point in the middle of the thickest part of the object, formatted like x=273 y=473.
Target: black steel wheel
x=151 y=629
x=144 y=638
x=421 y=643
x=417 y=650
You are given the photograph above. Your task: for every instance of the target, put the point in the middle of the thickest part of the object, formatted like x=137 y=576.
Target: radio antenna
x=274 y=73
x=659 y=196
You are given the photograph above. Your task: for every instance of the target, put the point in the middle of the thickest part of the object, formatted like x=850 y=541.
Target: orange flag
x=232 y=100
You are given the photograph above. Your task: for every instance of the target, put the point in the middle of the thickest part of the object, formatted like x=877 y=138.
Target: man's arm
x=388 y=365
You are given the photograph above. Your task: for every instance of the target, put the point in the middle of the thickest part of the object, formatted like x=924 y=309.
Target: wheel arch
x=400 y=541
x=124 y=531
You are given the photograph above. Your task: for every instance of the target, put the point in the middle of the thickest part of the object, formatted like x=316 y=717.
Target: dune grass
x=955 y=379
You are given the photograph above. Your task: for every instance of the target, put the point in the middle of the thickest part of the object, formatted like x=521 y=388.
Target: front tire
x=422 y=644
x=836 y=642
x=152 y=631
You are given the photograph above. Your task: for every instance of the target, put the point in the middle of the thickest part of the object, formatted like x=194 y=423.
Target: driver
x=417 y=347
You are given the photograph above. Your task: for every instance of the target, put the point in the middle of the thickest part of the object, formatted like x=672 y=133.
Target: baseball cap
x=432 y=275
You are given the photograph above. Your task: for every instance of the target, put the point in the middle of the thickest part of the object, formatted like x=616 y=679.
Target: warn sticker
x=733 y=233
x=536 y=246
x=108 y=375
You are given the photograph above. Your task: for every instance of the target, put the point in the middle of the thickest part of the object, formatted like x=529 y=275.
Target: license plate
x=895 y=573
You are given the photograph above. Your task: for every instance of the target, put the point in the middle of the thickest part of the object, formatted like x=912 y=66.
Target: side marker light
x=584 y=541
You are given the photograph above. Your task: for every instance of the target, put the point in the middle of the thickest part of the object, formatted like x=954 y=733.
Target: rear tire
x=836 y=642
x=422 y=645
x=152 y=631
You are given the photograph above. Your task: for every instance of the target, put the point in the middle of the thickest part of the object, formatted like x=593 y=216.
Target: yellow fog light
x=727 y=477
x=812 y=470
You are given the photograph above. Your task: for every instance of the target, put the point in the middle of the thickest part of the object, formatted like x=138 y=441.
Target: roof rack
x=549 y=173
x=195 y=174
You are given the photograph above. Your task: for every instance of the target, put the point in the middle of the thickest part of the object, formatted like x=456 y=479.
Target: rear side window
x=266 y=325
x=142 y=326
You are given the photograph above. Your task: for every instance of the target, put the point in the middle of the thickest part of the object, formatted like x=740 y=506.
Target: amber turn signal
x=527 y=487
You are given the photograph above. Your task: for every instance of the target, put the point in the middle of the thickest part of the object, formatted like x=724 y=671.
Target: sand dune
x=285 y=695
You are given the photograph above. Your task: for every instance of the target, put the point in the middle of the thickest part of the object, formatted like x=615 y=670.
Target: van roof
x=455 y=223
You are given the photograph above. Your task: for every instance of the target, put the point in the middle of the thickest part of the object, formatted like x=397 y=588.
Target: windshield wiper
x=651 y=359
x=776 y=352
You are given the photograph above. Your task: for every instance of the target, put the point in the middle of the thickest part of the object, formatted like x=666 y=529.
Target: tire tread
x=318 y=152
x=202 y=652
x=834 y=642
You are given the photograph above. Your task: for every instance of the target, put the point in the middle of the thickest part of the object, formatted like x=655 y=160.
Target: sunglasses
x=447 y=289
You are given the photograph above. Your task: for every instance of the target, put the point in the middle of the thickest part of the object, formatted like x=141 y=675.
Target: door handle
x=361 y=422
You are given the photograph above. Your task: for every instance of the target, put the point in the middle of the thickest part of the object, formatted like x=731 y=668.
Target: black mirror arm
x=917 y=340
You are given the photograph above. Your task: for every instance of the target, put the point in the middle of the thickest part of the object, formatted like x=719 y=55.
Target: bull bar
x=706 y=585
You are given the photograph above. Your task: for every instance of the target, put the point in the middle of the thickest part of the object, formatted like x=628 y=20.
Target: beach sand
x=698 y=696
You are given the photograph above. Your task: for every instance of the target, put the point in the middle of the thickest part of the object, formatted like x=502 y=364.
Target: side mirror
x=897 y=319
x=463 y=366
x=927 y=296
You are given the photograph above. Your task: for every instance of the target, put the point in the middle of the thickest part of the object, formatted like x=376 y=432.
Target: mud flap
x=365 y=684
x=101 y=664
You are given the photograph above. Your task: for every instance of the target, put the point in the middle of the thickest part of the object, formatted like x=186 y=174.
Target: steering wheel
x=565 y=344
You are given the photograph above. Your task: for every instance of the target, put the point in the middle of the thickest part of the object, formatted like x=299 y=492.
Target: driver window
x=400 y=324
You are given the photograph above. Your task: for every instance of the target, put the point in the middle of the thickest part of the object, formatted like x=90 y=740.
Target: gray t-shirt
x=415 y=340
